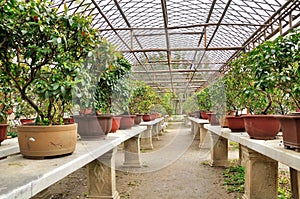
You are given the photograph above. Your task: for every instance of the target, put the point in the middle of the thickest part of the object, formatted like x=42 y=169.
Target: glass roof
x=181 y=45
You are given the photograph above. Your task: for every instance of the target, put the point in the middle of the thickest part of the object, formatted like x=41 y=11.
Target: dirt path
x=174 y=169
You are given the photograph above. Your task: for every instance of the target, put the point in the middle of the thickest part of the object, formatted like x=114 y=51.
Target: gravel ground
x=174 y=169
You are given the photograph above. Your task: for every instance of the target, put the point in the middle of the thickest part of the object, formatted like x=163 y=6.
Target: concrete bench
x=198 y=131
x=152 y=132
x=26 y=178
x=260 y=158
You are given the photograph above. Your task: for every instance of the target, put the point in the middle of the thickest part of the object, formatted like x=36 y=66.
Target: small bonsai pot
x=115 y=124
x=138 y=119
x=146 y=117
x=290 y=125
x=3 y=132
x=203 y=115
x=236 y=123
x=127 y=121
x=212 y=118
x=262 y=127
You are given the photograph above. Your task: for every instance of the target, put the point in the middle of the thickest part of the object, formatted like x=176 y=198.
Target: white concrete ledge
x=23 y=178
x=8 y=147
x=273 y=149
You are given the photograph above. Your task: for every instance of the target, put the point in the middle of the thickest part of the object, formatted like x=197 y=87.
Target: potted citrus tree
x=41 y=53
x=203 y=102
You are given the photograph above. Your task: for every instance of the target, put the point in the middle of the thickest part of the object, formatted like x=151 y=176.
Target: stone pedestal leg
x=160 y=129
x=192 y=127
x=219 y=150
x=295 y=183
x=45 y=194
x=146 y=138
x=197 y=131
x=102 y=178
x=132 y=152
x=155 y=131
x=261 y=175
x=204 y=138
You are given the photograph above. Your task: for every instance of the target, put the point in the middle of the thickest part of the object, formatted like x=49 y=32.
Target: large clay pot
x=290 y=125
x=3 y=132
x=93 y=126
x=44 y=141
x=127 y=121
x=115 y=124
x=236 y=123
x=263 y=127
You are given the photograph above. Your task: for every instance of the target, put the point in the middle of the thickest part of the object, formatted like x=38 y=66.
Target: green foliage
x=143 y=97
x=5 y=98
x=234 y=178
x=190 y=105
x=41 y=52
x=166 y=101
x=203 y=100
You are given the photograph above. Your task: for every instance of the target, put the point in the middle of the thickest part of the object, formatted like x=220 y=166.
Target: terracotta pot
x=290 y=125
x=263 y=127
x=127 y=121
x=236 y=123
x=203 y=115
x=44 y=141
x=138 y=119
x=93 y=126
x=3 y=132
x=212 y=118
x=223 y=121
x=146 y=117
x=115 y=124
x=25 y=121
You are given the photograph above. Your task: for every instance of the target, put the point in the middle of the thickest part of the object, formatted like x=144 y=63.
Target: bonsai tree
x=203 y=100
x=143 y=97
x=41 y=52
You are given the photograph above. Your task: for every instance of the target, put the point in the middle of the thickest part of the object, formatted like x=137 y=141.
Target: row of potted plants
x=264 y=81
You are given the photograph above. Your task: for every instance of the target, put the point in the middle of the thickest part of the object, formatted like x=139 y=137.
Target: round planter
x=26 y=121
x=127 y=121
x=93 y=126
x=45 y=141
x=138 y=119
x=3 y=132
x=203 y=115
x=146 y=117
x=115 y=124
x=262 y=127
x=290 y=125
x=236 y=123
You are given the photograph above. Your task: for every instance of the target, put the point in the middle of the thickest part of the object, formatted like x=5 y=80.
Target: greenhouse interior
x=156 y=99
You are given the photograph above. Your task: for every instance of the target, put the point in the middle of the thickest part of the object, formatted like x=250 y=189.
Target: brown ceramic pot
x=115 y=124
x=290 y=125
x=263 y=127
x=127 y=121
x=44 y=141
x=212 y=118
x=236 y=123
x=138 y=119
x=3 y=132
x=93 y=126
x=146 y=117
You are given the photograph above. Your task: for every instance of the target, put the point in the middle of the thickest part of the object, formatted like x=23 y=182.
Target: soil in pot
x=290 y=125
x=236 y=123
x=3 y=132
x=262 y=127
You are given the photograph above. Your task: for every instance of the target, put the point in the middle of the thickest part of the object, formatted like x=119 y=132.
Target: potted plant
x=203 y=102
x=5 y=105
x=41 y=53
x=142 y=99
